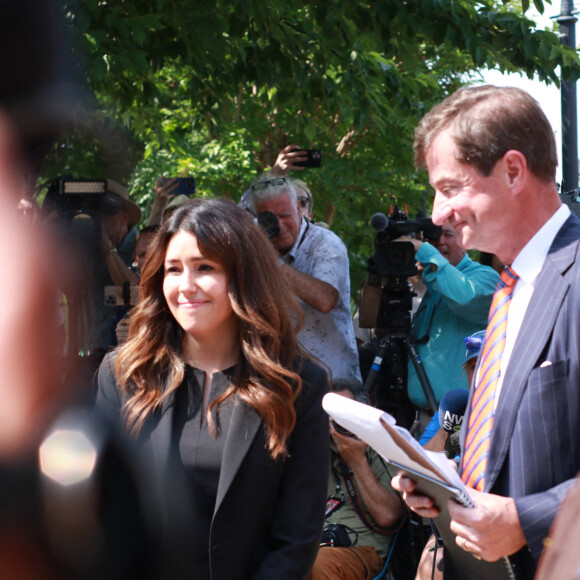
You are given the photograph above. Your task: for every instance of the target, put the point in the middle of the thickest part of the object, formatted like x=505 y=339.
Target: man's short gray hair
x=272 y=191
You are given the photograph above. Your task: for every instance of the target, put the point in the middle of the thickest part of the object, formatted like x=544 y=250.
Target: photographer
x=362 y=510
x=315 y=263
x=118 y=237
x=456 y=304
x=97 y=233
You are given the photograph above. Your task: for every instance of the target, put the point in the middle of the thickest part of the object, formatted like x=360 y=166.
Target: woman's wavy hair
x=150 y=365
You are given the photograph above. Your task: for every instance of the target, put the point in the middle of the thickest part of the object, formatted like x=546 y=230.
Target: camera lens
x=340 y=429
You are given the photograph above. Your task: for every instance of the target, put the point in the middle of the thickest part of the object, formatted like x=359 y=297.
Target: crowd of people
x=203 y=450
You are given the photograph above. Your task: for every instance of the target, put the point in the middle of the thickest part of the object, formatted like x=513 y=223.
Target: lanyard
x=290 y=255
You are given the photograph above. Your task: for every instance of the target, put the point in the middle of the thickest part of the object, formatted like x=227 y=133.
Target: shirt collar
x=530 y=260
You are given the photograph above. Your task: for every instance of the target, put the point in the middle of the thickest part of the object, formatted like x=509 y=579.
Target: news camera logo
x=452 y=421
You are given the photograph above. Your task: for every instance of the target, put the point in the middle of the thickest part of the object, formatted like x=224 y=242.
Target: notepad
x=431 y=471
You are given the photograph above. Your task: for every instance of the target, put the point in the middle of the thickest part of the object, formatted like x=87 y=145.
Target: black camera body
x=398 y=258
x=340 y=429
x=335 y=535
x=80 y=203
x=386 y=304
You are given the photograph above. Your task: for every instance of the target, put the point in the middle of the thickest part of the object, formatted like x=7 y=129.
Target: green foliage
x=216 y=88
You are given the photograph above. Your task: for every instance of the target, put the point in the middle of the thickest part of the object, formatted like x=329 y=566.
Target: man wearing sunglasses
x=315 y=263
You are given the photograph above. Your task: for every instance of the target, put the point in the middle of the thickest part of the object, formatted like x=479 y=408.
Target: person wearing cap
x=434 y=436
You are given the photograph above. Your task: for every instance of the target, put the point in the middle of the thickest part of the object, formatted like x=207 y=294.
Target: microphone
x=452 y=446
x=452 y=409
x=379 y=222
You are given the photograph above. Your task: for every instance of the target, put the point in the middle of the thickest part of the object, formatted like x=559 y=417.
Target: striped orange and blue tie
x=483 y=401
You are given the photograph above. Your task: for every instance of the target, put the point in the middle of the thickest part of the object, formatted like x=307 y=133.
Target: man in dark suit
x=491 y=157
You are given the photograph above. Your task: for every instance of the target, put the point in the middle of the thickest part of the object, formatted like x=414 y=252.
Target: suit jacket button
x=216 y=550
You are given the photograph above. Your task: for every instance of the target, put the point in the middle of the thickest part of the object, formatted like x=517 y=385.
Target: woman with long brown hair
x=214 y=386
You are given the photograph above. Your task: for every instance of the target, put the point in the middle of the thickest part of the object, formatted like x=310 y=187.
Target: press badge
x=332 y=504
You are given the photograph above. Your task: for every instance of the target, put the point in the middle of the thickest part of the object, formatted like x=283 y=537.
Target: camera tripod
x=393 y=398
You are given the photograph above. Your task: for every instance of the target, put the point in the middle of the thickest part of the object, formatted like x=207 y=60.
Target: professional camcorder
x=385 y=304
x=398 y=258
x=80 y=203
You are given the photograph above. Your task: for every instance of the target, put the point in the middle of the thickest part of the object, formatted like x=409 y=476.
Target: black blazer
x=534 y=451
x=269 y=514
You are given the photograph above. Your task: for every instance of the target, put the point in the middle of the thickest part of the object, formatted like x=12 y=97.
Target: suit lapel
x=242 y=430
x=244 y=425
x=549 y=293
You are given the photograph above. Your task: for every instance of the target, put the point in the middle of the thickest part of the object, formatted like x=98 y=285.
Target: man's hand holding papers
x=487 y=525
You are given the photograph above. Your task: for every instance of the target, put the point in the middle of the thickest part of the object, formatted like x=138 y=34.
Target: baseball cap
x=473 y=345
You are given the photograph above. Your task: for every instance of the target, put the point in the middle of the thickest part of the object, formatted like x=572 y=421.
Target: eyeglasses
x=473 y=343
x=303 y=200
x=276 y=182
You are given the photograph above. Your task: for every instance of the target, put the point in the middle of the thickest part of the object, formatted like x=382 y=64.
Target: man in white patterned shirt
x=316 y=265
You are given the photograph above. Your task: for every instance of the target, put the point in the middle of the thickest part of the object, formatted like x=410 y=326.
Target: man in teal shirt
x=456 y=304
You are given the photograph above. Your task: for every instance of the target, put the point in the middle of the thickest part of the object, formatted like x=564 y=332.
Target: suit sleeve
x=537 y=513
x=299 y=515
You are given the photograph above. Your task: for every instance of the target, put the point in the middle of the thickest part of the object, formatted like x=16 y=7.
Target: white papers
x=394 y=444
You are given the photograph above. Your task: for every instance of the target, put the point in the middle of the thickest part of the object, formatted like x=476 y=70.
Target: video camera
x=80 y=203
x=398 y=258
x=386 y=306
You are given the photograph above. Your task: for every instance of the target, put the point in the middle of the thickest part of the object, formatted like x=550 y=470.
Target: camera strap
x=351 y=490
x=424 y=317
x=304 y=234
x=291 y=255
x=336 y=500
